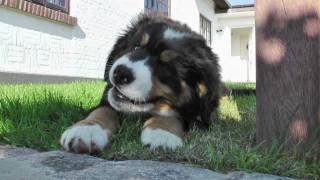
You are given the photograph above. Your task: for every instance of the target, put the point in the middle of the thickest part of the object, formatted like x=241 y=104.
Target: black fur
x=195 y=63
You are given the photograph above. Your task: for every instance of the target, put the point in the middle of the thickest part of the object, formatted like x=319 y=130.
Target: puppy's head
x=152 y=68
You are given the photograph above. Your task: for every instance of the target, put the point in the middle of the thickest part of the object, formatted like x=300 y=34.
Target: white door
x=240 y=54
x=244 y=54
x=252 y=56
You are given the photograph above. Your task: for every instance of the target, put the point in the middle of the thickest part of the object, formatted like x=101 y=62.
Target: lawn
x=34 y=116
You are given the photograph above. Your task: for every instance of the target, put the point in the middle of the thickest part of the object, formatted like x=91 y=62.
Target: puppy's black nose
x=122 y=75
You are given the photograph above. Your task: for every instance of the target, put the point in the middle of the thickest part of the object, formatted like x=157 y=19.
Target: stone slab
x=9 y=151
x=63 y=165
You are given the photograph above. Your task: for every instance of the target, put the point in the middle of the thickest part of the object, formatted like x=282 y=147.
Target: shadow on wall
x=20 y=19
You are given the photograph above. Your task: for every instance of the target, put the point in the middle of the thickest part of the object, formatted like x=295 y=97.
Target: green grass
x=241 y=85
x=34 y=116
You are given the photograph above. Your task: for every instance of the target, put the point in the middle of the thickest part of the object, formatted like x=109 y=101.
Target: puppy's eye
x=136 y=47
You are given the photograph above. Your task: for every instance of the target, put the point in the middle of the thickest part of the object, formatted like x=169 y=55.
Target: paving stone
x=9 y=151
x=28 y=164
x=239 y=175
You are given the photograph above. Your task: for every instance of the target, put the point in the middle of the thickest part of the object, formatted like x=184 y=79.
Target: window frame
x=50 y=5
x=152 y=7
x=206 y=29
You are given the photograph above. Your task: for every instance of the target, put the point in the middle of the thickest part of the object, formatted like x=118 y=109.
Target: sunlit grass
x=241 y=85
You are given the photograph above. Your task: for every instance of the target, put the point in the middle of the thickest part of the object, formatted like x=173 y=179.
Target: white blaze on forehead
x=172 y=34
x=140 y=87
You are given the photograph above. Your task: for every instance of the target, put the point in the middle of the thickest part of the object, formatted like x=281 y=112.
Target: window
x=205 y=29
x=60 y=5
x=159 y=7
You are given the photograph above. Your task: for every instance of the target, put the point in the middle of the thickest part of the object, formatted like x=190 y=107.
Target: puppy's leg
x=92 y=134
x=166 y=132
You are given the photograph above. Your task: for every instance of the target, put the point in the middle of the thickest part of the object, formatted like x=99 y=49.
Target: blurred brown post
x=288 y=72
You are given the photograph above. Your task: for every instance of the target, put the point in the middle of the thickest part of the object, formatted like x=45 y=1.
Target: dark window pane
x=161 y=7
x=60 y=3
x=38 y=2
x=205 y=29
x=150 y=3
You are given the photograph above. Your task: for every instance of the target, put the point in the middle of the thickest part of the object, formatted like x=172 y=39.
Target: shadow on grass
x=232 y=128
x=37 y=121
x=36 y=118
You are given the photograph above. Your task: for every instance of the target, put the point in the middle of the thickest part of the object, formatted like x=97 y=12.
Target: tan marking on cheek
x=160 y=89
x=163 y=107
x=202 y=89
x=145 y=39
x=167 y=55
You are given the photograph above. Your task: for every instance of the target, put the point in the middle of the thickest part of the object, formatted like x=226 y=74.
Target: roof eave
x=222 y=5
x=243 y=6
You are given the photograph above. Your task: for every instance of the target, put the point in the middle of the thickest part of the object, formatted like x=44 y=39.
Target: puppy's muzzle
x=122 y=75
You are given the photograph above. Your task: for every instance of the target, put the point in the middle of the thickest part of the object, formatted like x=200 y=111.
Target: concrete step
x=9 y=151
x=22 y=163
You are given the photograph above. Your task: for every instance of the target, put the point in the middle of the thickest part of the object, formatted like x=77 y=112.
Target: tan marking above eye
x=167 y=55
x=202 y=89
x=145 y=39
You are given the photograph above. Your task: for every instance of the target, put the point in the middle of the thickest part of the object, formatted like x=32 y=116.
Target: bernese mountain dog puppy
x=158 y=67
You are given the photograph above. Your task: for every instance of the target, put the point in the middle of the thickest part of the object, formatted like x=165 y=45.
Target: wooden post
x=288 y=72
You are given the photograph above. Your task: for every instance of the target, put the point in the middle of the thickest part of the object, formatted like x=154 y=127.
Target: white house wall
x=188 y=11
x=234 y=21
x=185 y=11
x=232 y=70
x=252 y=55
x=30 y=44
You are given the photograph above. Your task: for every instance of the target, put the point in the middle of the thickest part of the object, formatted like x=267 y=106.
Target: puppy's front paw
x=160 y=138
x=85 y=139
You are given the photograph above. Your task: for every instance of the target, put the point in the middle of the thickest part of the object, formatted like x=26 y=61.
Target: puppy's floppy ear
x=208 y=90
x=205 y=75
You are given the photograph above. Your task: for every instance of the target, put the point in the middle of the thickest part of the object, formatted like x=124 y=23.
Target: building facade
x=235 y=44
x=72 y=38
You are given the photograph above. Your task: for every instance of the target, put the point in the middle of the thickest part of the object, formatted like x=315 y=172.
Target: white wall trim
x=236 y=14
